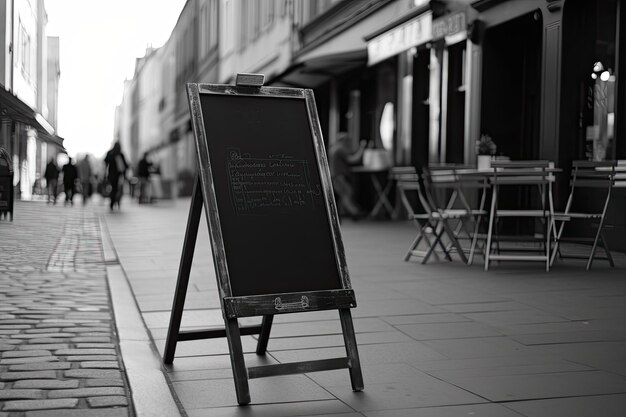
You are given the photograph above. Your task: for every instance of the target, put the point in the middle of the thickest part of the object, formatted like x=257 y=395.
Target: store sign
x=448 y=25
x=412 y=33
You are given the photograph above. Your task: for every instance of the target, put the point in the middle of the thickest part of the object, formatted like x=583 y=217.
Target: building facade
x=540 y=77
x=423 y=80
x=208 y=45
x=29 y=78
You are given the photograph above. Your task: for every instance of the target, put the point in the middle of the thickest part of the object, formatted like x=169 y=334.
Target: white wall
x=25 y=51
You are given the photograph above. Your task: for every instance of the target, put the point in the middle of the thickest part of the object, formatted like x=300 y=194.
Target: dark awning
x=315 y=71
x=15 y=109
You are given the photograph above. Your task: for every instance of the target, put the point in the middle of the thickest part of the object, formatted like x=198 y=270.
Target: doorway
x=421 y=108
x=455 y=105
x=511 y=86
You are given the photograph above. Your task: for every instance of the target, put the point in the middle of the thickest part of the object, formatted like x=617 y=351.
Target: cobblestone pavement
x=58 y=350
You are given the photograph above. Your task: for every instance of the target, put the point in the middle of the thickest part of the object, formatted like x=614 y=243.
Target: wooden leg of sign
x=264 y=336
x=189 y=245
x=356 y=377
x=237 y=362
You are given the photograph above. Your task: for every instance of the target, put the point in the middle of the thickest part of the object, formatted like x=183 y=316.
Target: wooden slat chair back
x=586 y=176
x=522 y=174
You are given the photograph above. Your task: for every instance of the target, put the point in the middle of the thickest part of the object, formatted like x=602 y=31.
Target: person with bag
x=115 y=169
x=52 y=177
x=70 y=175
x=85 y=176
x=143 y=172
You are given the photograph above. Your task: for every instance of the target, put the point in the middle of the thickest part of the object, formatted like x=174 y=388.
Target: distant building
x=29 y=79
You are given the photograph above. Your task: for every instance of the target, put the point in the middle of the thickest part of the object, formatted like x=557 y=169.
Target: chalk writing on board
x=278 y=181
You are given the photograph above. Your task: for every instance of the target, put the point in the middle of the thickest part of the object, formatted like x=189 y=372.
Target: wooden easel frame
x=266 y=306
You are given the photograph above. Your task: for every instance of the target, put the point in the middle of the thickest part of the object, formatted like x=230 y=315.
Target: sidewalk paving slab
x=435 y=340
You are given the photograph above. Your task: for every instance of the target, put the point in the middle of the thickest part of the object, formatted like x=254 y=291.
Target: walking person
x=85 y=177
x=115 y=168
x=143 y=172
x=52 y=180
x=340 y=157
x=70 y=175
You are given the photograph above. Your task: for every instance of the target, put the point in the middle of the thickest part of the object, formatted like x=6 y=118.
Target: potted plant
x=485 y=150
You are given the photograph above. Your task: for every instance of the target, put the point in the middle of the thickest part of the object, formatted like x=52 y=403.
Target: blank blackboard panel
x=270 y=199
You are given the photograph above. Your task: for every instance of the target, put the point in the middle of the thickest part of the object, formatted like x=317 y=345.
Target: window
x=267 y=13
x=23 y=51
x=281 y=7
x=208 y=27
x=204 y=29
x=589 y=79
x=228 y=40
x=255 y=18
x=213 y=25
x=243 y=32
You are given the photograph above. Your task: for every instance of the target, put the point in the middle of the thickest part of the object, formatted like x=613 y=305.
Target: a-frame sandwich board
x=264 y=183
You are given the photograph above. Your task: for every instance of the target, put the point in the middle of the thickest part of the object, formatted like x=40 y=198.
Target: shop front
x=394 y=54
x=592 y=119
x=540 y=77
x=429 y=48
x=29 y=140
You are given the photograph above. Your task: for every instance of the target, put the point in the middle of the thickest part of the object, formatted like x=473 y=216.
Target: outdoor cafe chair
x=537 y=175
x=436 y=221
x=410 y=188
x=473 y=187
x=449 y=208
x=588 y=178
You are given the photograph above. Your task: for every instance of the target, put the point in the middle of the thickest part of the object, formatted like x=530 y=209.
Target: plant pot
x=483 y=162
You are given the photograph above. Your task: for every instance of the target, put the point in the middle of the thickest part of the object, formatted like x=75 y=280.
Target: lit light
x=594 y=76
x=387 y=126
x=605 y=76
x=597 y=67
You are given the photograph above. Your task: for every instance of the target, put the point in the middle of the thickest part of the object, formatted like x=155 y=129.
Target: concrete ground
x=436 y=340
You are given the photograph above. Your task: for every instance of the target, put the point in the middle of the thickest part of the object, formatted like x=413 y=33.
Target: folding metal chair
x=477 y=186
x=408 y=183
x=448 y=207
x=587 y=176
x=536 y=174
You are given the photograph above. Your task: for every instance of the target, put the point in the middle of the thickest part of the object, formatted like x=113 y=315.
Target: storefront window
x=599 y=135
x=589 y=78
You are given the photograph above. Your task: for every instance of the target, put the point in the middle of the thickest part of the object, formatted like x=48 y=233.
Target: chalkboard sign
x=271 y=206
x=265 y=186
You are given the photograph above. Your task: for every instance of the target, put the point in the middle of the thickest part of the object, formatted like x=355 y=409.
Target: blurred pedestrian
x=115 y=168
x=70 y=176
x=85 y=177
x=143 y=172
x=52 y=180
x=341 y=157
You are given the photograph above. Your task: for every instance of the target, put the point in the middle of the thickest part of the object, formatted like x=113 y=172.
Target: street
x=441 y=339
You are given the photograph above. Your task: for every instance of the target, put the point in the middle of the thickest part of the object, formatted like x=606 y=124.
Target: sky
x=99 y=42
